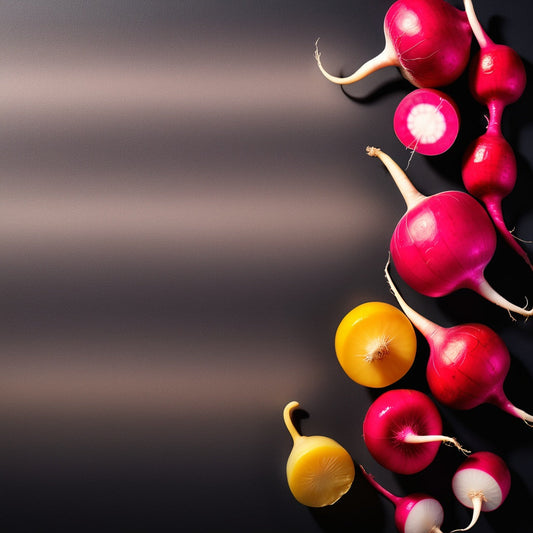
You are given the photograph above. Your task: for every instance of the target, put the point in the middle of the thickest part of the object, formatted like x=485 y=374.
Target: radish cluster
x=444 y=242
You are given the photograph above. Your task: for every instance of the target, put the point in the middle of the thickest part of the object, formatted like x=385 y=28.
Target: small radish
x=427 y=121
x=443 y=242
x=427 y=40
x=375 y=344
x=497 y=76
x=497 y=79
x=319 y=469
x=402 y=431
x=415 y=513
x=467 y=363
x=482 y=482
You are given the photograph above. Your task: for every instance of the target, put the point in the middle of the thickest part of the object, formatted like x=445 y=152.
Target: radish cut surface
x=427 y=121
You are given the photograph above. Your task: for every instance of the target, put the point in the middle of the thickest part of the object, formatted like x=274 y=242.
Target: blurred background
x=186 y=214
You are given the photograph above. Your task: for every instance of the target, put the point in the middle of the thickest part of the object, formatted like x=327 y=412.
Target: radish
x=467 y=363
x=427 y=121
x=428 y=40
x=497 y=78
x=481 y=483
x=443 y=242
x=415 y=513
x=401 y=430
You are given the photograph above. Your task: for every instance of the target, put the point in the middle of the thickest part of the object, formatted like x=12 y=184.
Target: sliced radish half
x=427 y=121
x=482 y=482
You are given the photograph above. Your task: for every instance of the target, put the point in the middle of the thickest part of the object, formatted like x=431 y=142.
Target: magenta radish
x=427 y=121
x=443 y=242
x=415 y=513
x=497 y=78
x=467 y=363
x=481 y=483
x=427 y=40
x=402 y=431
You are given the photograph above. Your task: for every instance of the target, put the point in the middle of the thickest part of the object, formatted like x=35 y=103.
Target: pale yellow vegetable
x=319 y=469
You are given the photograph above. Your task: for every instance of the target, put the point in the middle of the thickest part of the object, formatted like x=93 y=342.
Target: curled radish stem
x=402 y=431
x=427 y=40
x=481 y=483
x=497 y=78
x=467 y=363
x=415 y=513
x=427 y=121
x=443 y=242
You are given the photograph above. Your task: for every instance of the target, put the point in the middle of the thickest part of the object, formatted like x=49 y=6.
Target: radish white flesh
x=427 y=121
x=443 y=242
x=481 y=483
x=428 y=40
x=415 y=513
x=467 y=364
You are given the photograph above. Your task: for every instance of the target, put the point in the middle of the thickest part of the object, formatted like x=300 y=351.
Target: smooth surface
x=186 y=214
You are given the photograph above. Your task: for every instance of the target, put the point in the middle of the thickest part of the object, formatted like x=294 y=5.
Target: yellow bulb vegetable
x=319 y=469
x=375 y=344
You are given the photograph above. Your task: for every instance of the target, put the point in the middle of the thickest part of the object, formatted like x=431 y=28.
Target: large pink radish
x=443 y=242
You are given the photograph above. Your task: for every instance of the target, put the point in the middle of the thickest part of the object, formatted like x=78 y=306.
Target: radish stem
x=289 y=408
x=477 y=502
x=386 y=58
x=409 y=192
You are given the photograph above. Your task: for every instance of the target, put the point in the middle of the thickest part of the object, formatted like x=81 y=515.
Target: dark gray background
x=186 y=214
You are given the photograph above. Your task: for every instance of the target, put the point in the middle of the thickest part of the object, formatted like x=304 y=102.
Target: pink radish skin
x=443 y=242
x=427 y=40
x=402 y=431
x=427 y=121
x=415 y=513
x=497 y=78
x=482 y=483
x=467 y=363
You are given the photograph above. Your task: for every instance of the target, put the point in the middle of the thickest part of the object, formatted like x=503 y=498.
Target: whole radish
x=402 y=431
x=427 y=121
x=415 y=513
x=482 y=483
x=497 y=78
x=443 y=242
x=467 y=363
x=427 y=40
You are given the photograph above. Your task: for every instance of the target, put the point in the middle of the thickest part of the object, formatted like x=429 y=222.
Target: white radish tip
x=372 y=151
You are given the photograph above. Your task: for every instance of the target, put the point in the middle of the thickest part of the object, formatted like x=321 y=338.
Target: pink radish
x=427 y=121
x=481 y=483
x=497 y=79
x=402 y=431
x=415 y=513
x=428 y=40
x=467 y=363
x=443 y=242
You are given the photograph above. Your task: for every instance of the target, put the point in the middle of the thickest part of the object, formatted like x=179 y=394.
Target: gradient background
x=186 y=214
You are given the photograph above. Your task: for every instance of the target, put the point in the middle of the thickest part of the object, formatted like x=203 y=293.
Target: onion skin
x=389 y=417
x=443 y=243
